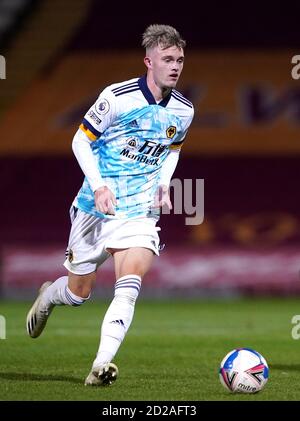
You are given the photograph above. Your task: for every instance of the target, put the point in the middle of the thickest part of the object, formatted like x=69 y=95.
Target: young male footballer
x=127 y=146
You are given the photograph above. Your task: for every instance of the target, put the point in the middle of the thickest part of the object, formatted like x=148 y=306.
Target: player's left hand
x=162 y=198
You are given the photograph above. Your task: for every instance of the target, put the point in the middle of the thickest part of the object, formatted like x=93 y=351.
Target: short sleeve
x=177 y=144
x=100 y=116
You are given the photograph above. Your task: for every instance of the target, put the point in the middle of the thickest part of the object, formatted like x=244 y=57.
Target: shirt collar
x=148 y=94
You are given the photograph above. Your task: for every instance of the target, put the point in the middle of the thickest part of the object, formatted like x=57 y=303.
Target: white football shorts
x=90 y=237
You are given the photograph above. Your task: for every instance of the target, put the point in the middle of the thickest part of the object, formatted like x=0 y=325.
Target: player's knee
x=138 y=268
x=81 y=285
x=81 y=291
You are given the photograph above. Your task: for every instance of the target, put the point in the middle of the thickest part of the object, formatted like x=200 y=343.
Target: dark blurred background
x=244 y=140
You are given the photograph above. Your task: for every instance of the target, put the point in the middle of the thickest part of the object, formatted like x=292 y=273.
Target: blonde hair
x=164 y=36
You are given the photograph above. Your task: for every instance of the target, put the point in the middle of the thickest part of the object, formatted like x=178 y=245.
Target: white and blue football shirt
x=131 y=136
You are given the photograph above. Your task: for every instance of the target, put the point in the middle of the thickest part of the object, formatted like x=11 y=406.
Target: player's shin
x=118 y=318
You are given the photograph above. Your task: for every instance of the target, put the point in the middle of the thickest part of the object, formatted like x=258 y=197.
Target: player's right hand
x=105 y=201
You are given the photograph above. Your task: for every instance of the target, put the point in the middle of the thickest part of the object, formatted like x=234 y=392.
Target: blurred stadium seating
x=244 y=142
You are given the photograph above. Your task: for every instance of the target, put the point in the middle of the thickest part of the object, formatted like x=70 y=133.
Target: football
x=244 y=370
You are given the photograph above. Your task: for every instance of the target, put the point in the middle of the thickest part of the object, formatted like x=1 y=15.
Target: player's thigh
x=134 y=260
x=86 y=248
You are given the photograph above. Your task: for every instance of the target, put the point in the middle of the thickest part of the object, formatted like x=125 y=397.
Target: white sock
x=118 y=318
x=60 y=294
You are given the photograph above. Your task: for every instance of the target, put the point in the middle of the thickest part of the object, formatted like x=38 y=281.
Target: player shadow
x=285 y=367
x=39 y=377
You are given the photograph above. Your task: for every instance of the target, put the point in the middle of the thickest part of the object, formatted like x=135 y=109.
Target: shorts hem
x=69 y=267
x=117 y=247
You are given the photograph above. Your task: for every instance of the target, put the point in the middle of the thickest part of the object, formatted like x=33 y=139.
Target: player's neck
x=158 y=93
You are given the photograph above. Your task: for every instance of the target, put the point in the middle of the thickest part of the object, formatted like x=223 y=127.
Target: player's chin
x=172 y=83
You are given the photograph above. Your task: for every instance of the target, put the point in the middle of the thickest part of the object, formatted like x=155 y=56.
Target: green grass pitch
x=172 y=351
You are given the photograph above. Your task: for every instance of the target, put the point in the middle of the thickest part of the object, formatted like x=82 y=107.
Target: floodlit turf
x=172 y=351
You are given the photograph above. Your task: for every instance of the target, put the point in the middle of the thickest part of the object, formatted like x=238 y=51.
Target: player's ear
x=148 y=63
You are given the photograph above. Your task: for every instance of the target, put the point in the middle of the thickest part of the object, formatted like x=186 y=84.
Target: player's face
x=166 y=65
